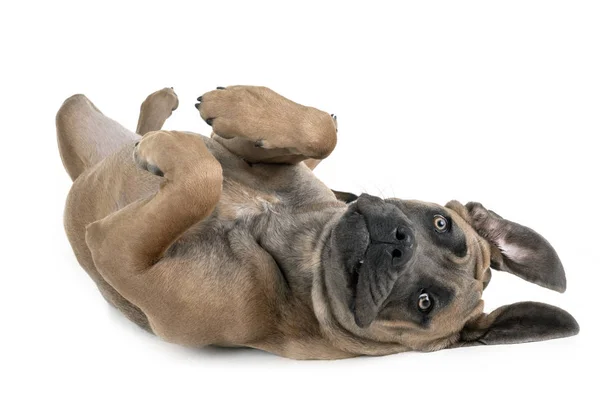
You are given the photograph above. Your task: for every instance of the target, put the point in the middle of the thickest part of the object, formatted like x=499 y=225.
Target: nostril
x=401 y=236
x=396 y=254
x=404 y=235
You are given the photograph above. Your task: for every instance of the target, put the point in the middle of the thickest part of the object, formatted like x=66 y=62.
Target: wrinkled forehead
x=478 y=250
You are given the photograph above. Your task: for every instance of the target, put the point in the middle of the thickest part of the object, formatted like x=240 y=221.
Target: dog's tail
x=86 y=136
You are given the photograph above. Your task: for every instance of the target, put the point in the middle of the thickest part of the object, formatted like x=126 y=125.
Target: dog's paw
x=162 y=100
x=254 y=113
x=223 y=107
x=142 y=162
x=166 y=153
x=143 y=154
x=267 y=119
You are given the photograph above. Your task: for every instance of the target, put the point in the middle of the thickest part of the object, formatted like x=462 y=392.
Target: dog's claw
x=199 y=99
x=197 y=105
x=209 y=121
x=220 y=88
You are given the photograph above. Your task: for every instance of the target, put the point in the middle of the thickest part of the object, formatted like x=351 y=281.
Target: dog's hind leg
x=128 y=245
x=86 y=136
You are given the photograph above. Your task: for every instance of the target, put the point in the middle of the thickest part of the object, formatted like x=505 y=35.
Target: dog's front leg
x=155 y=110
x=127 y=246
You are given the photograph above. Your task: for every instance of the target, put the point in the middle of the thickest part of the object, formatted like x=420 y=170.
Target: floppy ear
x=346 y=197
x=518 y=323
x=515 y=248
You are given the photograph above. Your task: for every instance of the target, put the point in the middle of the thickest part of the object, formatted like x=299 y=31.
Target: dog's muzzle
x=391 y=234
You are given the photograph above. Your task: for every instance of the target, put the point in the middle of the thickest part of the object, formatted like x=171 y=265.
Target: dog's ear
x=515 y=248
x=346 y=197
x=518 y=323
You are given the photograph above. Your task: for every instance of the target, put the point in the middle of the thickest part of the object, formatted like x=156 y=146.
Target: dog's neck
x=295 y=241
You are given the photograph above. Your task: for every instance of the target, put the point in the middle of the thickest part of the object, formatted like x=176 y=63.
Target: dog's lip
x=355 y=267
x=360 y=262
x=355 y=271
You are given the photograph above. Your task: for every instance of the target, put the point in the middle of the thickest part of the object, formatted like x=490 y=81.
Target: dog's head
x=413 y=273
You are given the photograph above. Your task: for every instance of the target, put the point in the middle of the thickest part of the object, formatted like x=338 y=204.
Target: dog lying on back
x=233 y=241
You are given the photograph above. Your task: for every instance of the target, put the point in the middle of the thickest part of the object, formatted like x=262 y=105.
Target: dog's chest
x=251 y=191
x=239 y=201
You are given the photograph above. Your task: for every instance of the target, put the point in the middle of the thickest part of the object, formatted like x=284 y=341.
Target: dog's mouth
x=363 y=238
x=354 y=274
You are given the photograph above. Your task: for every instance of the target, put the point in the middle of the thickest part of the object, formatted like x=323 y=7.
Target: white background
x=496 y=102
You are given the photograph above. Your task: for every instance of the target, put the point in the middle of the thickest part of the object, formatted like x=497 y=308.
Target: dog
x=232 y=241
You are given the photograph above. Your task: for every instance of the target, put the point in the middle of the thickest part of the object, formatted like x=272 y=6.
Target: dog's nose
x=390 y=230
x=402 y=250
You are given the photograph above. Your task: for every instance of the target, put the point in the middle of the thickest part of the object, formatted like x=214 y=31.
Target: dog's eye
x=440 y=223
x=425 y=303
